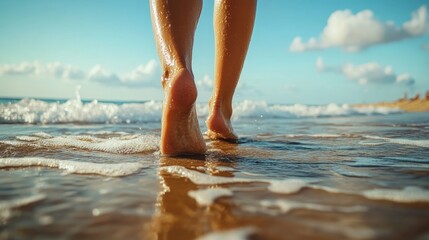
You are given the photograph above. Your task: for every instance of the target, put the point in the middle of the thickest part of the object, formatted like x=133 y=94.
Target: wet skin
x=174 y=24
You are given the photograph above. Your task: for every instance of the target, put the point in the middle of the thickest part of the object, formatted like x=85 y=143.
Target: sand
x=419 y=105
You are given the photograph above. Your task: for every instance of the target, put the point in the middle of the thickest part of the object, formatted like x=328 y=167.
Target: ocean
x=74 y=169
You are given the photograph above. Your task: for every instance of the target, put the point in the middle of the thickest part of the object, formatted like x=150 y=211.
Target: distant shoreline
x=407 y=105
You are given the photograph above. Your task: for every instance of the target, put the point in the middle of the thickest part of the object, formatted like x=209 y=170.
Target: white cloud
x=64 y=71
x=362 y=30
x=36 y=68
x=142 y=75
x=101 y=75
x=24 y=68
x=206 y=83
x=368 y=73
x=321 y=67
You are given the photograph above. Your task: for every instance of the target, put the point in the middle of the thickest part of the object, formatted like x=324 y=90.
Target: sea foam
x=405 y=195
x=402 y=141
x=122 y=144
x=286 y=206
x=206 y=197
x=291 y=186
x=76 y=111
x=288 y=186
x=105 y=169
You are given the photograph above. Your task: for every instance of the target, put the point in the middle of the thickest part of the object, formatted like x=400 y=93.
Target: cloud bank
x=55 y=69
x=368 y=73
x=206 y=83
x=356 y=32
x=142 y=75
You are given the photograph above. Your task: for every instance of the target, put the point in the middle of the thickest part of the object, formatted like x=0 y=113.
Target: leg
x=233 y=26
x=174 y=24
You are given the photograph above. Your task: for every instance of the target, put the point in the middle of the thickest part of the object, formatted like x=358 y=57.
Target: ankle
x=180 y=87
x=218 y=104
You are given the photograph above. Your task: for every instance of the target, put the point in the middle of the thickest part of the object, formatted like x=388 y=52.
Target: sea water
x=90 y=169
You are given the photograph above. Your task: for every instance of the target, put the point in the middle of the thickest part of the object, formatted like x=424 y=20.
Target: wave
x=286 y=206
x=402 y=141
x=36 y=111
x=124 y=144
x=409 y=194
x=206 y=197
x=70 y=166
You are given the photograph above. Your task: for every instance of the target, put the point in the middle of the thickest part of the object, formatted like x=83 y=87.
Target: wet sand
x=346 y=177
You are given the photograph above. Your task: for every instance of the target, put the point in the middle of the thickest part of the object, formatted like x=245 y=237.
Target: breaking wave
x=34 y=111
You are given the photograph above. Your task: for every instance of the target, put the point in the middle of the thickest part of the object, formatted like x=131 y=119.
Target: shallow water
x=327 y=176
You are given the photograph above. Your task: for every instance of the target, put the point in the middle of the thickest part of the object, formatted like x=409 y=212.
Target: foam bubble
x=201 y=178
x=122 y=144
x=407 y=195
x=27 y=138
x=74 y=110
x=261 y=108
x=287 y=186
x=236 y=234
x=105 y=169
x=206 y=197
x=42 y=135
x=350 y=172
x=225 y=168
x=286 y=206
x=418 y=143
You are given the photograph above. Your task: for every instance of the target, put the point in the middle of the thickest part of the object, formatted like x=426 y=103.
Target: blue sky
x=362 y=51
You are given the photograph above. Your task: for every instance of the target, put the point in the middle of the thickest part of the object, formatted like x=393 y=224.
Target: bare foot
x=180 y=132
x=219 y=122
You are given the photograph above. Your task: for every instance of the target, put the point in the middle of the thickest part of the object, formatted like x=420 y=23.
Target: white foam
x=286 y=206
x=105 y=169
x=418 y=143
x=122 y=144
x=261 y=108
x=206 y=197
x=233 y=234
x=201 y=178
x=74 y=110
x=42 y=135
x=251 y=173
x=288 y=186
x=291 y=186
x=27 y=138
x=406 y=195
x=348 y=172
x=225 y=168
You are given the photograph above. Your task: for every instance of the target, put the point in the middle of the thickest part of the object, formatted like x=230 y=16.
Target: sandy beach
x=407 y=105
